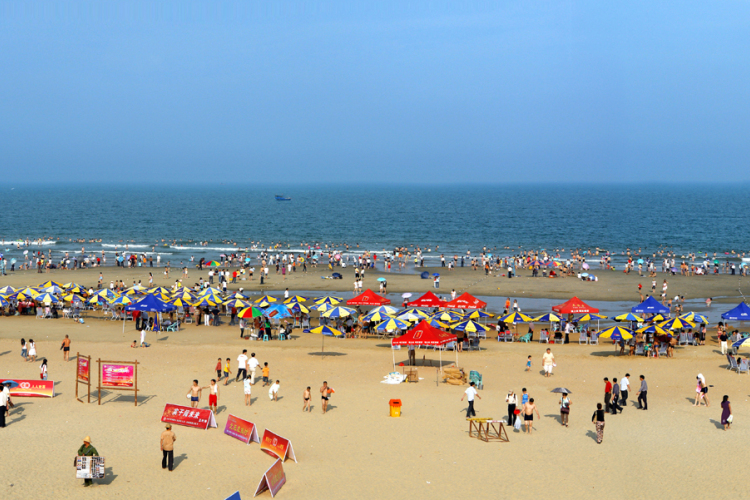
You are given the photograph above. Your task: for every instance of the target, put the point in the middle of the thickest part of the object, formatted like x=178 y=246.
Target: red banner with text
x=277 y=446
x=272 y=480
x=83 y=369
x=241 y=429
x=189 y=417
x=31 y=388
x=118 y=375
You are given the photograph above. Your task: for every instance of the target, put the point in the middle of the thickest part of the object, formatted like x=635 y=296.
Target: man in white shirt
x=252 y=365
x=548 y=361
x=470 y=393
x=242 y=368
x=624 y=388
x=4 y=400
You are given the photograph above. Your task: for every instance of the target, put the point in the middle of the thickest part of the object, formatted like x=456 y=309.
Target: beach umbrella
x=250 y=312
x=656 y=319
x=448 y=316
x=338 y=312
x=627 y=317
x=616 y=333
x=26 y=293
x=561 y=390
x=159 y=290
x=295 y=299
x=417 y=312
x=50 y=283
x=7 y=290
x=655 y=329
x=207 y=301
x=265 y=299
x=321 y=308
x=278 y=311
x=47 y=298
x=392 y=324
x=547 y=318
x=388 y=310
x=373 y=316
x=406 y=295
x=237 y=303
x=52 y=289
x=298 y=308
x=676 y=324
x=237 y=295
x=412 y=316
x=211 y=263
x=326 y=331
x=328 y=299
x=72 y=297
x=740 y=342
x=436 y=323
x=381 y=279
x=74 y=288
x=184 y=295
x=516 y=317
x=3 y=302
x=469 y=326
x=122 y=300
x=136 y=290
x=477 y=314
x=694 y=317
x=106 y=293
x=180 y=302
x=209 y=291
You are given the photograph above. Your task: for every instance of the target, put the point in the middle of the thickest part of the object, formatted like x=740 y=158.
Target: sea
x=180 y=221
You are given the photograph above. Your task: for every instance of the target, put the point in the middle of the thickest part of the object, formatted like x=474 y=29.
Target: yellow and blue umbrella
x=52 y=289
x=298 y=308
x=338 y=312
x=74 y=288
x=447 y=316
x=655 y=329
x=3 y=302
x=656 y=319
x=209 y=291
x=159 y=290
x=237 y=295
x=516 y=317
x=180 y=302
x=27 y=293
x=547 y=318
x=388 y=310
x=392 y=324
x=47 y=298
x=469 y=326
x=106 y=293
x=327 y=331
x=265 y=300
x=437 y=324
x=323 y=307
x=7 y=290
x=328 y=299
x=295 y=299
x=676 y=324
x=237 y=303
x=50 y=283
x=616 y=333
x=72 y=297
x=477 y=314
x=376 y=316
x=587 y=318
x=207 y=301
x=136 y=290
x=694 y=317
x=628 y=317
x=123 y=300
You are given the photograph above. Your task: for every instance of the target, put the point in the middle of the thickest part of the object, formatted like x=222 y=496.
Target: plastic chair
x=583 y=338
x=265 y=337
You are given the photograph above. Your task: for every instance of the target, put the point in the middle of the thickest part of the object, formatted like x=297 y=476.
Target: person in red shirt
x=607 y=393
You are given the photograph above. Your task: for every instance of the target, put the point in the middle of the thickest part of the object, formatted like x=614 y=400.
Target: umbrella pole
x=393 y=354
x=441 y=360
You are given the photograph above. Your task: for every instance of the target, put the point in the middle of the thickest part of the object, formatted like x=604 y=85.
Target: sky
x=408 y=92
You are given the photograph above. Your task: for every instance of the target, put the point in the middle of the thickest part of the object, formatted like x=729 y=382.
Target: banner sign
x=118 y=375
x=83 y=369
x=31 y=388
x=241 y=429
x=277 y=446
x=189 y=417
x=89 y=467
x=272 y=480
x=234 y=496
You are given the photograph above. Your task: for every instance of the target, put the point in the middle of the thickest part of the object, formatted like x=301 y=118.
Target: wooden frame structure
x=79 y=380
x=486 y=429
x=134 y=389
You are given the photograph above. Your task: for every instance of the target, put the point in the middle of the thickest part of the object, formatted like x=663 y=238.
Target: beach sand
x=357 y=450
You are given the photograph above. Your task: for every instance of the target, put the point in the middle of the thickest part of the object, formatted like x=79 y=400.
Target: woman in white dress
x=32 y=350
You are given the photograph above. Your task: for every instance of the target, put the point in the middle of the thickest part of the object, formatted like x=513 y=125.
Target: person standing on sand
x=195 y=394
x=252 y=364
x=86 y=450
x=598 y=419
x=528 y=415
x=643 y=394
x=615 y=401
x=512 y=401
x=470 y=394
x=306 y=400
x=32 y=351
x=607 y=393
x=726 y=413
x=624 y=388
x=548 y=360
x=701 y=391
x=248 y=389
x=241 y=369
x=564 y=409
x=213 y=396
x=324 y=395
x=166 y=442
x=66 y=348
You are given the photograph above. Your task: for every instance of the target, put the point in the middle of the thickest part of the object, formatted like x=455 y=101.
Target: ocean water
x=442 y=219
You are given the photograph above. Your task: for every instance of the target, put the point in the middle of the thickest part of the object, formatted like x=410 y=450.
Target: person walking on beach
x=701 y=391
x=726 y=412
x=598 y=419
x=24 y=349
x=32 y=351
x=512 y=401
x=86 y=450
x=528 y=415
x=252 y=364
x=241 y=367
x=607 y=393
x=306 y=400
x=195 y=394
x=248 y=390
x=624 y=388
x=266 y=373
x=325 y=392
x=470 y=394
x=166 y=443
x=564 y=409
x=643 y=394
x=723 y=337
x=227 y=371
x=43 y=369
x=615 y=401
x=548 y=360
x=4 y=404
x=66 y=348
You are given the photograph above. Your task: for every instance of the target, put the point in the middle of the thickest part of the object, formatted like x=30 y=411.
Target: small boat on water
x=281 y=197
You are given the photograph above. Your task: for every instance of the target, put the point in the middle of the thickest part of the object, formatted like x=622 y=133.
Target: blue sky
x=353 y=91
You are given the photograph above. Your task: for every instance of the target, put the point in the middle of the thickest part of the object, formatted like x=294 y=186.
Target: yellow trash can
x=395 y=407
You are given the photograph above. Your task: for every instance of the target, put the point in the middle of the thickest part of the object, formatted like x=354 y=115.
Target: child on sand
x=266 y=371
x=194 y=393
x=273 y=392
x=227 y=371
x=306 y=399
x=218 y=369
x=528 y=364
x=248 y=392
x=213 y=396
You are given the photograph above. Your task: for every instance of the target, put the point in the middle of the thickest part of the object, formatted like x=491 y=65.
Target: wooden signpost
x=83 y=374
x=118 y=376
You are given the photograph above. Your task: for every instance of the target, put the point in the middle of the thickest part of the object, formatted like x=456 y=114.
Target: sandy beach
x=357 y=450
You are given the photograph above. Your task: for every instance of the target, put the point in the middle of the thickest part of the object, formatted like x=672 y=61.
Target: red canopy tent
x=368 y=298
x=466 y=301
x=427 y=300
x=574 y=306
x=424 y=334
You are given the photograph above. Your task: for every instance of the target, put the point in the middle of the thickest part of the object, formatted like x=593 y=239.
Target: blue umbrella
x=278 y=311
x=739 y=342
x=12 y=383
x=150 y=303
x=381 y=279
x=436 y=274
